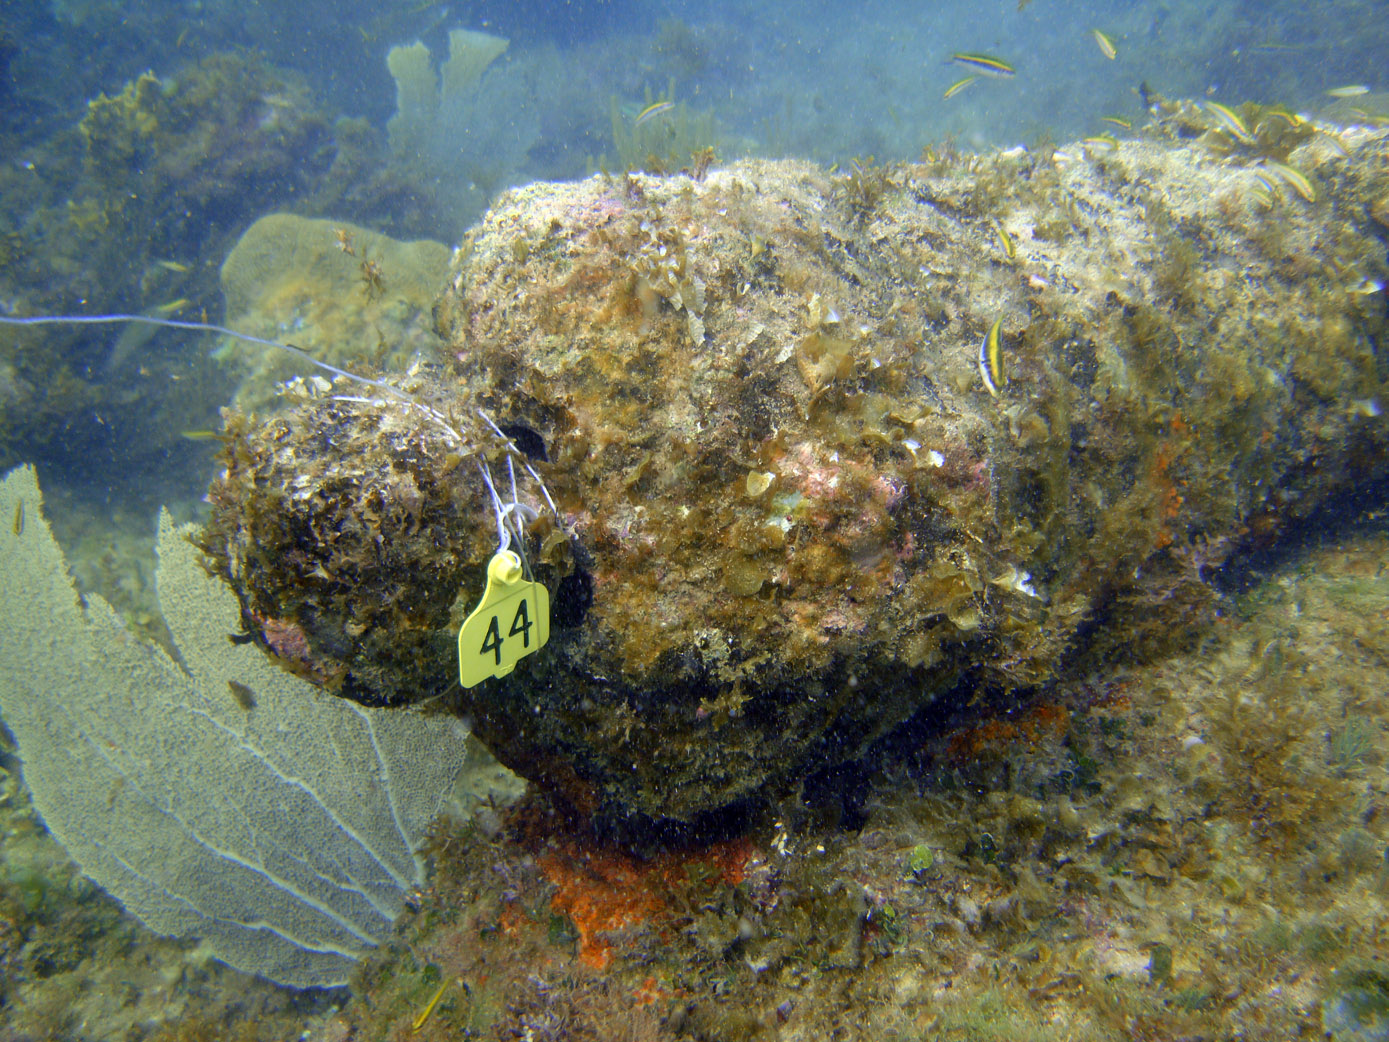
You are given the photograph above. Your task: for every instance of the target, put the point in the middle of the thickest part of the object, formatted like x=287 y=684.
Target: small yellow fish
x=173 y=265
x=1105 y=42
x=19 y=518
x=1367 y=407
x=653 y=110
x=1230 y=120
x=985 y=63
x=1296 y=178
x=991 y=358
x=173 y=306
x=1005 y=240
x=1289 y=117
x=1334 y=140
x=428 y=1010
x=1374 y=119
x=1353 y=90
x=1263 y=191
x=1118 y=121
x=205 y=435
x=1103 y=142
x=959 y=85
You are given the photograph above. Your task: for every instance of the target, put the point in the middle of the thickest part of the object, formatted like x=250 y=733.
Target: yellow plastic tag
x=510 y=622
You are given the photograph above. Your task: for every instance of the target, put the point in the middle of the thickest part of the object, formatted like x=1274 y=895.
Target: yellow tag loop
x=510 y=622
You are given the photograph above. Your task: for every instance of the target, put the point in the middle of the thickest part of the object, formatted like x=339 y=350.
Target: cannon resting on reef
x=829 y=451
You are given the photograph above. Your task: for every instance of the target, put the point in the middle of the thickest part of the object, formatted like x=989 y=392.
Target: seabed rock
x=798 y=515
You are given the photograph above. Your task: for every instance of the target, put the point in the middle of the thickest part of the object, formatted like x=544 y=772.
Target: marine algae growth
x=795 y=516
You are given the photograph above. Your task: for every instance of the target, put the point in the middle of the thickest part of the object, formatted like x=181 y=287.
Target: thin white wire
x=503 y=532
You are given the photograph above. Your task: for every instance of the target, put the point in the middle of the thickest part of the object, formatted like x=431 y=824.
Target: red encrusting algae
x=606 y=890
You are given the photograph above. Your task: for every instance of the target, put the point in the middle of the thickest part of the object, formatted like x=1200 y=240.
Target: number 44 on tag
x=511 y=621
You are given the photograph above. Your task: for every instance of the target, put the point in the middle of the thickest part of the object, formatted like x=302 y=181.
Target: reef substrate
x=800 y=500
x=1187 y=849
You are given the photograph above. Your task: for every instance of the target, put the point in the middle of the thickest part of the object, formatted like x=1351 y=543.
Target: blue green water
x=822 y=80
x=306 y=130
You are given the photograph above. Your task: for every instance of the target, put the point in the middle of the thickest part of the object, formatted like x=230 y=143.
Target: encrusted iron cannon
x=824 y=448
